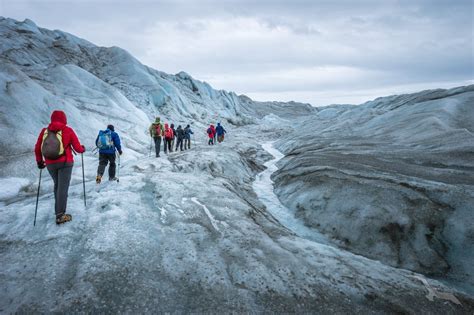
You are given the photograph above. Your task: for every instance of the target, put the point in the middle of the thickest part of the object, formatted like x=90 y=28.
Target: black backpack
x=52 y=147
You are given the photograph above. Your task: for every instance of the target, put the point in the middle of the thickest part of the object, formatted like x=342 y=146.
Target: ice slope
x=42 y=70
x=187 y=234
x=393 y=179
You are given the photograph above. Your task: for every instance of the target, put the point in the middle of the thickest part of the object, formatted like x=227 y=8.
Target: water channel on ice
x=263 y=187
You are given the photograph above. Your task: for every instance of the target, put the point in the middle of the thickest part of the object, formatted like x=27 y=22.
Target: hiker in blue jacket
x=107 y=142
x=220 y=131
x=187 y=137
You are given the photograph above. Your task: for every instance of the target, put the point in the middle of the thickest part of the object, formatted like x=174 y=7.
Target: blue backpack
x=105 y=141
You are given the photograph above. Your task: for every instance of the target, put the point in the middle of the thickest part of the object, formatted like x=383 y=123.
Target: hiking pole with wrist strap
x=83 y=179
x=37 y=197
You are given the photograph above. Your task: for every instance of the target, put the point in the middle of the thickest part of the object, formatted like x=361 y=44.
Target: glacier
x=190 y=232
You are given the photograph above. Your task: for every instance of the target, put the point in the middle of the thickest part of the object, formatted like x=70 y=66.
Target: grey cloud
x=398 y=42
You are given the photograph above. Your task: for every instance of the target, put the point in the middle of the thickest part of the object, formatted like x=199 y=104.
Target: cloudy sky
x=321 y=52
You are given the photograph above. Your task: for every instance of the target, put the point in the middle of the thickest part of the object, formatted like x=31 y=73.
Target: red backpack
x=169 y=133
x=158 y=130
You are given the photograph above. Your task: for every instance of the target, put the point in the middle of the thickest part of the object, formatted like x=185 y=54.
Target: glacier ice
x=188 y=232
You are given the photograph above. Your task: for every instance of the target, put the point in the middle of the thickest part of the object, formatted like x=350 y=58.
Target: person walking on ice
x=107 y=142
x=53 y=150
x=156 y=132
x=220 y=132
x=187 y=137
x=169 y=136
x=180 y=137
x=174 y=136
x=211 y=131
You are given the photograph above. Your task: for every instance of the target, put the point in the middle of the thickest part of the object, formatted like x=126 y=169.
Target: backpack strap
x=59 y=135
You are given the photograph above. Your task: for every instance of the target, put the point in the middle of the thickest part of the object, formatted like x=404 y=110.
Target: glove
x=120 y=152
x=83 y=148
x=41 y=165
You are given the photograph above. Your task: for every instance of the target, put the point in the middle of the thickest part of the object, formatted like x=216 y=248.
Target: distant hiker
x=220 y=132
x=187 y=137
x=174 y=136
x=107 y=142
x=180 y=138
x=156 y=132
x=169 y=136
x=55 y=143
x=211 y=132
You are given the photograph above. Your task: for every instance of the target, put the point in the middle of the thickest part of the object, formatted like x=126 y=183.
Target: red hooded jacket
x=58 y=122
x=212 y=133
x=168 y=132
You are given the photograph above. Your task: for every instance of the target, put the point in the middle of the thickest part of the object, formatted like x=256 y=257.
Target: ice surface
x=392 y=179
x=11 y=187
x=186 y=233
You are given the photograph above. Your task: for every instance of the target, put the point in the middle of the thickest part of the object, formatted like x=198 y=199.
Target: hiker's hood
x=58 y=120
x=166 y=126
x=157 y=120
x=218 y=124
x=212 y=127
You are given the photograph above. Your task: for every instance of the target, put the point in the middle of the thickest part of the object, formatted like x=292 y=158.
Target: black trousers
x=157 y=145
x=104 y=159
x=179 y=144
x=187 y=144
x=168 y=145
x=61 y=174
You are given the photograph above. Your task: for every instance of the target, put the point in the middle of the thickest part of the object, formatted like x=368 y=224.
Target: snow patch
x=11 y=186
x=208 y=213
x=433 y=292
x=163 y=214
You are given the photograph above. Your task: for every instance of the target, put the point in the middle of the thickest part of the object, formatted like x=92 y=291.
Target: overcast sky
x=321 y=52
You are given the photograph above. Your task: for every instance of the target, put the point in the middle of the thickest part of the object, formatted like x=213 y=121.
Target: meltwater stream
x=263 y=187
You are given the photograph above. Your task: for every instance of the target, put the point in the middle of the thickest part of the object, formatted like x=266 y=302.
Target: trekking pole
x=37 y=197
x=118 y=170
x=83 y=179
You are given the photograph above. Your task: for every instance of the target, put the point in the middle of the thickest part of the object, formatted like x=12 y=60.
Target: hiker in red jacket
x=211 y=132
x=169 y=136
x=55 y=144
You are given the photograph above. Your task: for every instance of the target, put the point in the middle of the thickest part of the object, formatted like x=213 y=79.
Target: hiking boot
x=98 y=179
x=63 y=219
x=113 y=179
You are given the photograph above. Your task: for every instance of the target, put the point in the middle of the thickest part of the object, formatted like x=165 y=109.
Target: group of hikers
x=56 y=144
x=215 y=132
x=169 y=135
